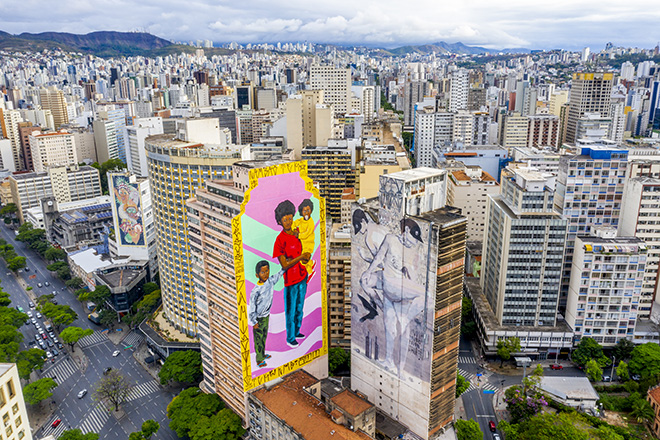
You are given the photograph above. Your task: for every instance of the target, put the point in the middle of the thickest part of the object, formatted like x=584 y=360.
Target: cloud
x=490 y=23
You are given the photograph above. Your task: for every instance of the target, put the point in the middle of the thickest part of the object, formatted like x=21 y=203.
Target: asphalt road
x=147 y=400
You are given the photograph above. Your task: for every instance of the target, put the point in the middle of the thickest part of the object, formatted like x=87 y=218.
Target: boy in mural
x=261 y=300
x=289 y=252
x=304 y=226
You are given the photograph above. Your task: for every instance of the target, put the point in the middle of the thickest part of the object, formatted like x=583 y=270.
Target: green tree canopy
x=185 y=410
x=71 y=335
x=16 y=263
x=59 y=314
x=110 y=165
x=76 y=434
x=622 y=371
x=224 y=425
x=147 y=288
x=589 y=349
x=182 y=366
x=507 y=346
x=98 y=296
x=338 y=360
x=11 y=316
x=55 y=254
x=29 y=360
x=149 y=428
x=74 y=283
x=113 y=388
x=560 y=426
x=623 y=349
x=642 y=411
x=593 y=370
x=468 y=430
x=5 y=300
x=645 y=360
x=38 y=390
x=9 y=209
x=462 y=385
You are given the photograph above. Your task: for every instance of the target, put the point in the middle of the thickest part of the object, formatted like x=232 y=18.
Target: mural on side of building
x=279 y=258
x=129 y=229
x=392 y=312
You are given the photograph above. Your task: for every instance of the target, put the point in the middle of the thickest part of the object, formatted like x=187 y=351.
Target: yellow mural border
x=239 y=265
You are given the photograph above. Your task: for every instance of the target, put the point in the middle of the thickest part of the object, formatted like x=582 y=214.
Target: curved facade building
x=176 y=169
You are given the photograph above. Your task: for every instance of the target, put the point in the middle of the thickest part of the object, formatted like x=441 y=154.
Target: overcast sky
x=569 y=24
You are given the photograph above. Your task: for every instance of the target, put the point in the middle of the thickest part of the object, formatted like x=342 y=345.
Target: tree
x=185 y=410
x=149 y=428
x=468 y=326
x=468 y=430
x=76 y=434
x=531 y=381
x=521 y=406
x=107 y=318
x=645 y=360
x=99 y=296
x=12 y=317
x=16 y=263
x=182 y=366
x=38 y=390
x=593 y=370
x=55 y=254
x=589 y=349
x=507 y=346
x=44 y=299
x=113 y=388
x=9 y=209
x=71 y=335
x=148 y=288
x=59 y=314
x=623 y=349
x=223 y=425
x=29 y=360
x=622 y=371
x=74 y=283
x=462 y=385
x=642 y=411
x=4 y=298
x=551 y=426
x=110 y=165
x=338 y=360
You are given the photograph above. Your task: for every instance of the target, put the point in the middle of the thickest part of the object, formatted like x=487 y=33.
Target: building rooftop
x=254 y=164
x=89 y=260
x=654 y=392
x=123 y=276
x=351 y=403
x=416 y=174
x=569 y=387
x=462 y=176
x=305 y=414
x=443 y=217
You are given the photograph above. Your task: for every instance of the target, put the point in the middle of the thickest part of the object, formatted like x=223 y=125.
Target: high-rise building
x=515 y=131
x=336 y=86
x=592 y=127
x=638 y=210
x=339 y=286
x=468 y=189
x=523 y=250
x=460 y=88
x=25 y=129
x=589 y=193
x=53 y=149
x=590 y=93
x=9 y=122
x=413 y=92
x=15 y=415
x=308 y=121
x=136 y=156
x=604 y=292
x=177 y=166
x=432 y=129
x=53 y=100
x=112 y=122
x=463 y=127
x=408 y=249
x=543 y=131
x=481 y=128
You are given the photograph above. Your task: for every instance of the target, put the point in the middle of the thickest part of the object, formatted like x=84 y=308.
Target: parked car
x=607 y=378
x=49 y=354
x=49 y=342
x=47 y=284
x=496 y=436
x=31 y=304
x=492 y=426
x=56 y=423
x=55 y=340
x=43 y=335
x=54 y=351
x=54 y=301
x=42 y=345
x=37 y=338
x=82 y=393
x=59 y=345
x=20 y=309
x=51 y=334
x=29 y=313
x=33 y=321
x=39 y=285
x=27 y=269
x=556 y=367
x=39 y=315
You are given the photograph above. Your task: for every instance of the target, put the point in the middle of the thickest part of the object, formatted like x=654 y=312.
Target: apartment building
x=12 y=405
x=52 y=149
x=468 y=189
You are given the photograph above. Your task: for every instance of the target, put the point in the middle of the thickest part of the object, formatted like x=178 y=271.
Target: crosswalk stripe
x=132 y=339
x=95 y=420
x=473 y=382
x=56 y=432
x=466 y=360
x=143 y=390
x=62 y=370
x=92 y=339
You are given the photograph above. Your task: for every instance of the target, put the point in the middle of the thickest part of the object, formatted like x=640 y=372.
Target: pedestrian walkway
x=143 y=390
x=133 y=339
x=93 y=339
x=55 y=432
x=95 y=419
x=467 y=360
x=62 y=370
x=472 y=378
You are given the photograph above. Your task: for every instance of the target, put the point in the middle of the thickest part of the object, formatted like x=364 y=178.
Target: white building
x=335 y=83
x=53 y=149
x=136 y=156
x=460 y=87
x=12 y=405
x=432 y=129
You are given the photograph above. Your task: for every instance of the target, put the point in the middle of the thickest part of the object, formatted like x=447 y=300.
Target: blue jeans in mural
x=294 y=300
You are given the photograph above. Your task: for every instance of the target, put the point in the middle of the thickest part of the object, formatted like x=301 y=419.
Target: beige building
x=9 y=120
x=556 y=101
x=515 y=131
x=653 y=397
x=52 y=149
x=309 y=121
x=12 y=406
x=463 y=127
x=543 y=131
x=339 y=286
x=336 y=85
x=53 y=100
x=590 y=93
x=468 y=189
x=5 y=192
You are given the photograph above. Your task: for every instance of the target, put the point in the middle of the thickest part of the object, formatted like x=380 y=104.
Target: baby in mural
x=261 y=300
x=304 y=226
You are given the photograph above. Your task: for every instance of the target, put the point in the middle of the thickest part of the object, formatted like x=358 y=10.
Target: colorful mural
x=129 y=229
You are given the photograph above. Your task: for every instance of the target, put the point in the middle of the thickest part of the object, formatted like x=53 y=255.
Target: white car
x=82 y=393
x=116 y=353
x=29 y=313
x=38 y=315
x=49 y=354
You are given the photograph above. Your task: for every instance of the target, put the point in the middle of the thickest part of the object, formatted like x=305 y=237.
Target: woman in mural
x=289 y=252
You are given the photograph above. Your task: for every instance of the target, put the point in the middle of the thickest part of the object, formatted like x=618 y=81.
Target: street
x=146 y=400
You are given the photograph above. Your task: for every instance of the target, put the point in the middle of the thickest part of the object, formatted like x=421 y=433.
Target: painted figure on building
x=304 y=227
x=261 y=300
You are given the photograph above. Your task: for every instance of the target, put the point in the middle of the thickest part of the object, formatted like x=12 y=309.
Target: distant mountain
x=442 y=47
x=103 y=43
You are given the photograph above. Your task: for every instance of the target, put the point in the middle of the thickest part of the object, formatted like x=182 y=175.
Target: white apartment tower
x=458 y=94
x=50 y=149
x=468 y=189
x=335 y=83
x=136 y=156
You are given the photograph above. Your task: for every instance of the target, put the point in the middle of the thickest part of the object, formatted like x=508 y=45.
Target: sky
x=494 y=24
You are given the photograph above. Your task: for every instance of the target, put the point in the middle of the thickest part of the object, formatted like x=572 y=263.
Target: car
x=39 y=285
x=8 y=274
x=37 y=338
x=44 y=335
x=49 y=354
x=491 y=425
x=51 y=334
x=107 y=370
x=42 y=345
x=29 y=313
x=46 y=284
x=116 y=353
x=31 y=304
x=636 y=377
x=54 y=292
x=59 y=345
x=54 y=301
x=496 y=436
x=49 y=342
x=20 y=309
x=39 y=315
x=27 y=269
x=56 y=423
x=607 y=378
x=49 y=328
x=556 y=367
x=33 y=321
x=55 y=340
x=82 y=393
x=55 y=352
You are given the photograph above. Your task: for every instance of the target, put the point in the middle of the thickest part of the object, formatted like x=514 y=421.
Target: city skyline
x=516 y=24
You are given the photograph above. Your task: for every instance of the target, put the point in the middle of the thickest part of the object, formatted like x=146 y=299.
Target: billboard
x=129 y=229
x=392 y=308
x=280 y=265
